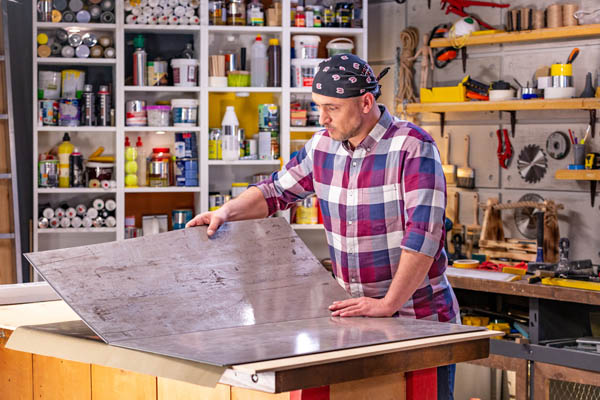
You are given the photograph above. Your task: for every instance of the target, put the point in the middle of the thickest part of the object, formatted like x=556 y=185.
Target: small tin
x=48 y=173
x=135 y=113
x=214 y=144
x=215 y=201
x=43 y=223
x=98 y=222
x=53 y=222
x=181 y=217
x=49 y=112
x=268 y=116
x=75 y=39
x=89 y=39
x=68 y=112
x=186 y=172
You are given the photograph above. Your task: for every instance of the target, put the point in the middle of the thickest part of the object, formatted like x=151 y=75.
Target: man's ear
x=367 y=101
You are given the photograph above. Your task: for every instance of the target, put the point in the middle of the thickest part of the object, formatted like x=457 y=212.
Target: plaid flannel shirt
x=387 y=194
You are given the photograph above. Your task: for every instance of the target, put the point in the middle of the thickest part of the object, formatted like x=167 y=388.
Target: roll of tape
x=538 y=19
x=554 y=16
x=568 y=14
x=468 y=264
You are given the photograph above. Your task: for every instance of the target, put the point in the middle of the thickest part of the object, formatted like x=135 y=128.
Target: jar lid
x=161 y=150
x=239 y=184
x=184 y=103
x=100 y=165
x=159 y=108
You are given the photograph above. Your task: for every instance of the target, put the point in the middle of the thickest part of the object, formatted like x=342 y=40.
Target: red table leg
x=421 y=385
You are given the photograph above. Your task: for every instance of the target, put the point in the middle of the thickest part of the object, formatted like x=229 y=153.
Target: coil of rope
x=409 y=38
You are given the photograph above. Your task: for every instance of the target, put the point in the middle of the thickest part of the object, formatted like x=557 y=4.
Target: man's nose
x=323 y=118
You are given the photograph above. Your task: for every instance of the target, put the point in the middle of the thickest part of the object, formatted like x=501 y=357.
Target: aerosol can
x=140 y=58
x=103 y=106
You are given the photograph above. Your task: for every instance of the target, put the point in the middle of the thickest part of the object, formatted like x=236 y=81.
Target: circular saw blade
x=532 y=163
x=525 y=219
x=558 y=145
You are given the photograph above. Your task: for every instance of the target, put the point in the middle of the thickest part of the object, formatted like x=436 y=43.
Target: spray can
x=103 y=106
x=76 y=170
x=88 y=106
x=140 y=58
x=64 y=151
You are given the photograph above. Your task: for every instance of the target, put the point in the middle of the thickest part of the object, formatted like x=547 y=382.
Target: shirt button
x=354 y=164
x=349 y=222
x=368 y=149
x=353 y=280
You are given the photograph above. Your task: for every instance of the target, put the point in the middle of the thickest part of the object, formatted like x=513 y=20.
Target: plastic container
x=131 y=166
x=158 y=115
x=274 y=55
x=304 y=71
x=339 y=46
x=141 y=161
x=185 y=71
x=230 y=146
x=49 y=83
x=185 y=112
x=306 y=46
x=238 y=78
x=96 y=172
x=160 y=167
x=64 y=151
x=238 y=188
x=258 y=63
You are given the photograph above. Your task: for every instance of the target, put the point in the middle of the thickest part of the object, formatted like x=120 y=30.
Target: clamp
x=504 y=148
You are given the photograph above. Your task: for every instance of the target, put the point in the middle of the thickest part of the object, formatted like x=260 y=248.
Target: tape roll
x=568 y=14
x=554 y=16
x=44 y=51
x=467 y=264
x=538 y=19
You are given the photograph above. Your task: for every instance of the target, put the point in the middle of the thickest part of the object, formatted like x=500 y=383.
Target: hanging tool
x=458 y=7
x=573 y=55
x=592 y=161
x=504 y=151
x=532 y=163
x=449 y=169
x=465 y=175
x=539 y=256
x=443 y=56
x=558 y=145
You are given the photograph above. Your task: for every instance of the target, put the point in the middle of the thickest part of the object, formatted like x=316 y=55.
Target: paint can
x=135 y=113
x=268 y=116
x=72 y=83
x=43 y=223
x=157 y=72
x=49 y=83
x=181 y=217
x=68 y=112
x=48 y=173
x=48 y=112
x=307 y=211
x=215 y=201
x=186 y=172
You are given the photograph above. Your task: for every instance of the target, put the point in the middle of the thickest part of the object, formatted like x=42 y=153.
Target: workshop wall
x=578 y=220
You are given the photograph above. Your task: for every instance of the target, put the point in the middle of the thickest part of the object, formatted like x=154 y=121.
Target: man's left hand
x=361 y=307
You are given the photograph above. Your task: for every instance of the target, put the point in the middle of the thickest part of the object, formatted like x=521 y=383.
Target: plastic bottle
x=258 y=63
x=229 y=135
x=274 y=54
x=64 y=151
x=141 y=162
x=131 y=166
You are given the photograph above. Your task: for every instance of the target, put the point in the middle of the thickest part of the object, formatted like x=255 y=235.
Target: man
x=382 y=192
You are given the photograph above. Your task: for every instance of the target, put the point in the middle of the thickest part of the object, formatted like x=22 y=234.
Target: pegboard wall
x=578 y=221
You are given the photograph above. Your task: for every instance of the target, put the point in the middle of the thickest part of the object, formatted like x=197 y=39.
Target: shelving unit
x=578 y=175
x=213 y=174
x=508 y=105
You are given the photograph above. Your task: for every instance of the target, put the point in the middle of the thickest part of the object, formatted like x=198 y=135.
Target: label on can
x=49 y=112
x=48 y=173
x=157 y=73
x=186 y=172
x=268 y=116
x=68 y=112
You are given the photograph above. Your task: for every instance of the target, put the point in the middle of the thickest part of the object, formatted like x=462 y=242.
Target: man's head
x=346 y=90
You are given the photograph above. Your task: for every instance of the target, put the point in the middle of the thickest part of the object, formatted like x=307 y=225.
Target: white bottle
x=229 y=135
x=258 y=63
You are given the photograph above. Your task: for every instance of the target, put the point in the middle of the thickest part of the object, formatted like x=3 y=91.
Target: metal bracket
x=442 y=123
x=593 y=121
x=513 y=122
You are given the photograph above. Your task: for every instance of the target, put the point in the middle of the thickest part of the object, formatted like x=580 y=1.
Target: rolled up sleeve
x=424 y=194
x=292 y=183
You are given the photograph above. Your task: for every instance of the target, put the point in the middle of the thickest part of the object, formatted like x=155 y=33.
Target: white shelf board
x=3 y=116
x=244 y=29
x=77 y=230
x=308 y=227
x=74 y=190
x=166 y=89
x=90 y=129
x=168 y=189
x=301 y=90
x=2 y=57
x=74 y=25
x=132 y=28
x=236 y=89
x=243 y=162
x=305 y=128
x=162 y=129
x=328 y=31
x=75 y=61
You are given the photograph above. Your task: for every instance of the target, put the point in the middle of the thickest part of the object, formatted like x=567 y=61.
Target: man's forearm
x=251 y=204
x=412 y=270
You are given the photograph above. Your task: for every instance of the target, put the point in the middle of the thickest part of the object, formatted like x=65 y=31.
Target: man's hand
x=361 y=307
x=214 y=219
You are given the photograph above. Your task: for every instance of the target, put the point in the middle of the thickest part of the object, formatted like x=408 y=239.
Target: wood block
x=247 y=394
x=169 y=389
x=3 y=99
x=4 y=148
x=16 y=378
x=7 y=267
x=385 y=387
x=56 y=379
x=113 y=383
x=6 y=225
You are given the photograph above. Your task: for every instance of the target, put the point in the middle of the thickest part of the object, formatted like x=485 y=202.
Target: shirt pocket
x=381 y=207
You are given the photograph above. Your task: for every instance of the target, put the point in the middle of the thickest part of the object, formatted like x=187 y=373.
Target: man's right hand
x=214 y=219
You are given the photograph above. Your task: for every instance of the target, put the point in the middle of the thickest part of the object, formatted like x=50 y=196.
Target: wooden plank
x=508 y=245
x=4 y=148
x=112 y=383
x=3 y=99
x=6 y=223
x=509 y=254
x=7 y=267
x=16 y=378
x=578 y=175
x=509 y=105
x=385 y=387
x=537 y=35
x=520 y=366
x=524 y=289
x=169 y=389
x=247 y=394
x=57 y=379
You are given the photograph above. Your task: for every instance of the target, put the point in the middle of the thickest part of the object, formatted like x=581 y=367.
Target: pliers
x=504 y=148
x=458 y=7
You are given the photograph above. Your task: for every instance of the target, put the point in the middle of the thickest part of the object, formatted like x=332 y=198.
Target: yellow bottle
x=64 y=151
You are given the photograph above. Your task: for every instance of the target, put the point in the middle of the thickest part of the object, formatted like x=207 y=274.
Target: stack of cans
x=101 y=213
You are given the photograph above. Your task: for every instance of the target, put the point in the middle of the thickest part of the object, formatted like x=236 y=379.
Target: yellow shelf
x=508 y=105
x=578 y=174
x=565 y=32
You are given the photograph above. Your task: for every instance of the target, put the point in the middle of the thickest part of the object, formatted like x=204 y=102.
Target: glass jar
x=255 y=15
x=300 y=19
x=216 y=13
x=160 y=167
x=236 y=12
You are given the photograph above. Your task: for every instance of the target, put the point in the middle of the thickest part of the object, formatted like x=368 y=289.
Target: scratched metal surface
x=249 y=273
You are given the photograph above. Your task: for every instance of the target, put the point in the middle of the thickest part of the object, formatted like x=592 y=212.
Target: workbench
x=381 y=371
x=554 y=313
